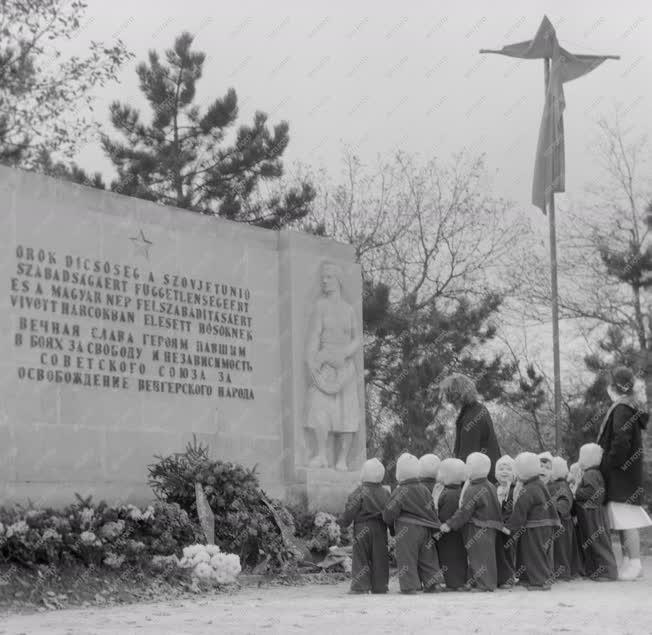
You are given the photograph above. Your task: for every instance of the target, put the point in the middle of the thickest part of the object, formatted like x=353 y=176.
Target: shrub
x=243 y=523
x=94 y=534
x=303 y=521
x=172 y=479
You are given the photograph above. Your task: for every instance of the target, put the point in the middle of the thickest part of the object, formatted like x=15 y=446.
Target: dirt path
x=574 y=607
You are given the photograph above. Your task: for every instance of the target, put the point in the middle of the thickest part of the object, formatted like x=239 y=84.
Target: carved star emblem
x=142 y=244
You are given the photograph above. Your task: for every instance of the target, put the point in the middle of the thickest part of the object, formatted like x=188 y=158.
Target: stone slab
x=327 y=489
x=65 y=436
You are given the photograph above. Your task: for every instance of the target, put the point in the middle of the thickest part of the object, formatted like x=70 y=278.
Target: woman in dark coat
x=622 y=468
x=474 y=429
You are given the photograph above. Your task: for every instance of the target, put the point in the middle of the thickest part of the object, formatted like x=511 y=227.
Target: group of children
x=455 y=530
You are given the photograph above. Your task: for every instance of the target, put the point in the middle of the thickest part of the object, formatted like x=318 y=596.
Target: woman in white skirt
x=622 y=468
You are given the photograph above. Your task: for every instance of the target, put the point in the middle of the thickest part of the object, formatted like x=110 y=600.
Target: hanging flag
x=549 y=169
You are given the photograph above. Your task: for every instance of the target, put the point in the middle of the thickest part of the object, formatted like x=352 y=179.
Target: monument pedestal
x=323 y=489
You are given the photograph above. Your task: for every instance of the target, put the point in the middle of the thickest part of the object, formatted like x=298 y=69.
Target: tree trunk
x=646 y=372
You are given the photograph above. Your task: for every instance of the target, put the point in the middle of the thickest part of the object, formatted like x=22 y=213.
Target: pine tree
x=181 y=157
x=528 y=400
x=585 y=417
x=69 y=172
x=409 y=351
x=627 y=260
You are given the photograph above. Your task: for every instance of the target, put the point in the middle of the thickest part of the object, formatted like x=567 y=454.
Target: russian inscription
x=103 y=324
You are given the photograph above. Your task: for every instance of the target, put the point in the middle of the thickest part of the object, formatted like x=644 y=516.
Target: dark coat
x=479 y=518
x=593 y=529
x=507 y=505
x=429 y=482
x=622 y=461
x=366 y=502
x=480 y=507
x=411 y=502
x=533 y=508
x=533 y=522
x=505 y=545
x=564 y=537
x=370 y=556
x=562 y=497
x=452 y=552
x=474 y=432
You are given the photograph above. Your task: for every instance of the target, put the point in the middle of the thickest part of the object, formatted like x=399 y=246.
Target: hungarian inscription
x=102 y=324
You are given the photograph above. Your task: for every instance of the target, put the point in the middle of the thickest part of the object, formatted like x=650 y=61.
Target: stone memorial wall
x=126 y=327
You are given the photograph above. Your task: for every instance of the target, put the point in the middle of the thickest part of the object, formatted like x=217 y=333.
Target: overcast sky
x=381 y=76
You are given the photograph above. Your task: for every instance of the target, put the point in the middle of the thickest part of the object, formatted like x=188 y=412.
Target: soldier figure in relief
x=333 y=340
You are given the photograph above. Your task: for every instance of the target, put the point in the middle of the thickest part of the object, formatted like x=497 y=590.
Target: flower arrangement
x=99 y=534
x=326 y=533
x=207 y=562
x=112 y=529
x=19 y=528
x=89 y=538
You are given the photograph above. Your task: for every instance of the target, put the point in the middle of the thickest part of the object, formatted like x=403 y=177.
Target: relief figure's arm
x=314 y=332
x=356 y=341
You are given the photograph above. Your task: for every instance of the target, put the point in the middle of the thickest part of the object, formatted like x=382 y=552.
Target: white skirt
x=624 y=516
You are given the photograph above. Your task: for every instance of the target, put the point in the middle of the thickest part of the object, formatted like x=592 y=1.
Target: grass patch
x=44 y=588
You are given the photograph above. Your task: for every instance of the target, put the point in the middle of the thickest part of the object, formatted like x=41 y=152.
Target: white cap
x=451 y=471
x=372 y=471
x=527 y=465
x=428 y=466
x=590 y=455
x=559 y=468
x=478 y=465
x=407 y=467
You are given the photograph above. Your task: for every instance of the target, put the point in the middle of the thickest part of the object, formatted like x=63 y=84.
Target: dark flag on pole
x=559 y=66
x=549 y=169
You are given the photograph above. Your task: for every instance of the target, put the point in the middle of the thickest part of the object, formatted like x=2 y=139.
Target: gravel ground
x=572 y=607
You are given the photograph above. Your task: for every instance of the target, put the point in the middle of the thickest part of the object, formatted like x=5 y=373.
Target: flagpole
x=542 y=44
x=554 y=291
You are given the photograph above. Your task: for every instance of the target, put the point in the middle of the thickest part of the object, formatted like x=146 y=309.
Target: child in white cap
x=545 y=460
x=364 y=508
x=577 y=563
x=412 y=513
x=479 y=518
x=505 y=545
x=532 y=523
x=562 y=497
x=593 y=531
x=428 y=466
x=450 y=546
